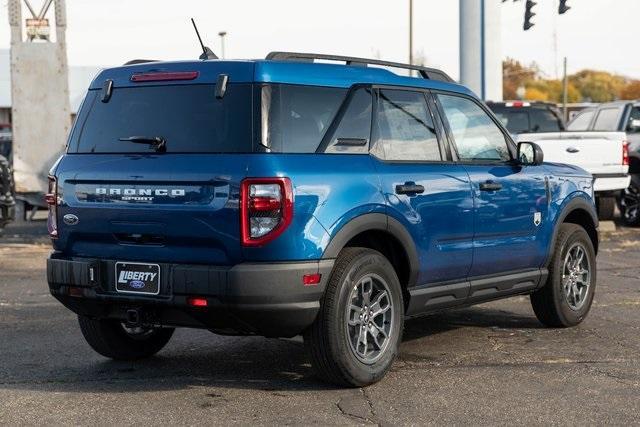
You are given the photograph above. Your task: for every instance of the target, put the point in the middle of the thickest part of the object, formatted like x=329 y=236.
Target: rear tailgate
x=140 y=208
x=596 y=152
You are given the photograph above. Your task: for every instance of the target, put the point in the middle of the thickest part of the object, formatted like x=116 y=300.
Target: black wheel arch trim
x=376 y=222
x=577 y=203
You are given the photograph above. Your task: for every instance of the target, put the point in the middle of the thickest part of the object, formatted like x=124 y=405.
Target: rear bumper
x=259 y=298
x=610 y=182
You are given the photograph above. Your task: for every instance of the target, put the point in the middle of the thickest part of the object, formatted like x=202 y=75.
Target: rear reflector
x=311 y=279
x=75 y=291
x=197 y=302
x=164 y=76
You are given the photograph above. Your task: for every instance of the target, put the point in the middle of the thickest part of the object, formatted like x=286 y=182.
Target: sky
x=598 y=34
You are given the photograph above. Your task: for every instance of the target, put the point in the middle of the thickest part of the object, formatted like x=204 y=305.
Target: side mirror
x=530 y=154
x=634 y=125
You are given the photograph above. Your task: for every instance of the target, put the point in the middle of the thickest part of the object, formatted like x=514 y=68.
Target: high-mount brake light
x=266 y=209
x=51 y=198
x=164 y=76
x=625 y=153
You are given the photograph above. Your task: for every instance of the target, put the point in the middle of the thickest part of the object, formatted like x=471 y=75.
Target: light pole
x=222 y=34
x=410 y=35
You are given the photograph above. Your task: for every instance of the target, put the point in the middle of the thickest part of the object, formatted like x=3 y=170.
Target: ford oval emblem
x=136 y=284
x=70 y=219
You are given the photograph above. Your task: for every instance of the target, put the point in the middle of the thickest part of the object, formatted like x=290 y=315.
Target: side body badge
x=537 y=218
x=70 y=219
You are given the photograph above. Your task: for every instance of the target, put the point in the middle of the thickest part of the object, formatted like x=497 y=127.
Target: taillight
x=51 y=198
x=266 y=209
x=625 y=153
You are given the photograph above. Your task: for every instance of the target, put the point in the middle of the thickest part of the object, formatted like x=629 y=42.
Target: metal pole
x=411 y=35
x=222 y=34
x=565 y=92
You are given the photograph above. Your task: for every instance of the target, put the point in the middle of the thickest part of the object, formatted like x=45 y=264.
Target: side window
x=607 y=119
x=352 y=134
x=404 y=127
x=545 y=121
x=475 y=134
x=581 y=121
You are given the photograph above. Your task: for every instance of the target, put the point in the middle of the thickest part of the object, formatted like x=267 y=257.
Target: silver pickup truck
x=620 y=116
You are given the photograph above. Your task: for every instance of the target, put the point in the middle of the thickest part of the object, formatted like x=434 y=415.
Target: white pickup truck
x=603 y=154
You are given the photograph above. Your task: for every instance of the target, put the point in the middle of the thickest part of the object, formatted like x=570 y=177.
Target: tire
x=606 y=207
x=332 y=339
x=630 y=203
x=110 y=339
x=553 y=304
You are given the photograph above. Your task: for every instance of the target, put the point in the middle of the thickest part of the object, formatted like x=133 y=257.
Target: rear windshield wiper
x=157 y=142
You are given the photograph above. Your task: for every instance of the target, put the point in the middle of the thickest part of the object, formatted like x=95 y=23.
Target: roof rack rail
x=425 y=72
x=140 y=61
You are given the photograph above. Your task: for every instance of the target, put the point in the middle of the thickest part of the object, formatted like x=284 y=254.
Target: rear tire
x=566 y=297
x=354 y=340
x=111 y=339
x=630 y=202
x=606 y=207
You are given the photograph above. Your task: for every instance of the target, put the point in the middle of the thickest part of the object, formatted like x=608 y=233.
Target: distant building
x=79 y=79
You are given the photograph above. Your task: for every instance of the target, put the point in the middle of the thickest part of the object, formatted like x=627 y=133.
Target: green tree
x=598 y=86
x=631 y=90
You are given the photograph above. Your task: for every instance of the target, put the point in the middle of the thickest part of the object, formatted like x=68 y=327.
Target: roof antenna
x=206 y=52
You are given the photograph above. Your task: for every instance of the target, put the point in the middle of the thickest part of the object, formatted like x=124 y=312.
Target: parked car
x=528 y=117
x=603 y=154
x=620 y=116
x=286 y=196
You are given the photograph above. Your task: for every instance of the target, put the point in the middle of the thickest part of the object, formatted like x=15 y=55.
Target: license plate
x=137 y=278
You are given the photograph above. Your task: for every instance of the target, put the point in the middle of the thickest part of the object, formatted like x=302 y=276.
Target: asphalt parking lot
x=488 y=364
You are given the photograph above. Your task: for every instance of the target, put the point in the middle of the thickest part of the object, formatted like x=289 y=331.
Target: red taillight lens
x=51 y=198
x=266 y=209
x=164 y=76
x=625 y=153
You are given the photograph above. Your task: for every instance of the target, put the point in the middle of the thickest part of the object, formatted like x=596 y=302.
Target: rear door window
x=582 y=121
x=607 y=119
x=188 y=117
x=404 y=127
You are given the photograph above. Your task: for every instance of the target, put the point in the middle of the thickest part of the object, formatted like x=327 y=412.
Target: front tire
x=355 y=338
x=565 y=299
x=114 y=340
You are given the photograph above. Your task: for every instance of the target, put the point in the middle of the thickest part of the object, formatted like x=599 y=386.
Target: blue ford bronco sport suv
x=292 y=196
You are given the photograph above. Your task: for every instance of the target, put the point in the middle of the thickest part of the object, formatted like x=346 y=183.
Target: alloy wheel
x=369 y=318
x=576 y=276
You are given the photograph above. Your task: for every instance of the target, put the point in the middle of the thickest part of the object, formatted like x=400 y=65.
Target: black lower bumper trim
x=267 y=299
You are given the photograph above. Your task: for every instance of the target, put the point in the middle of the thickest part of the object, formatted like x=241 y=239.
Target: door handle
x=490 y=186
x=572 y=150
x=409 y=188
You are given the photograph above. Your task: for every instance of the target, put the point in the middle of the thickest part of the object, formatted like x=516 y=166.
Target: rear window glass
x=516 y=121
x=295 y=118
x=545 y=121
x=188 y=117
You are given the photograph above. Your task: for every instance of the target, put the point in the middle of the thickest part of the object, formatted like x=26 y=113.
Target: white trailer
x=40 y=108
